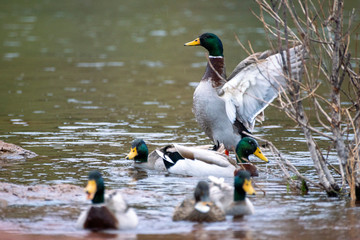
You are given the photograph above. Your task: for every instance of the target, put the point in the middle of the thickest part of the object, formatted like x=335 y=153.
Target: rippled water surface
x=81 y=79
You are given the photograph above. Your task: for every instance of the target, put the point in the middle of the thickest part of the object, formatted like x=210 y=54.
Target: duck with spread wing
x=227 y=107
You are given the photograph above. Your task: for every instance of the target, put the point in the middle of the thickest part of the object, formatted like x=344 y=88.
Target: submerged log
x=10 y=152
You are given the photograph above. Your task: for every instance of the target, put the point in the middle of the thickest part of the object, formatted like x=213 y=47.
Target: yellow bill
x=248 y=188
x=196 y=42
x=132 y=154
x=90 y=189
x=259 y=154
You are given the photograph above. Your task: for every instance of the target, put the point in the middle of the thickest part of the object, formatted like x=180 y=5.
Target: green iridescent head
x=242 y=185
x=248 y=146
x=210 y=42
x=139 y=151
x=95 y=188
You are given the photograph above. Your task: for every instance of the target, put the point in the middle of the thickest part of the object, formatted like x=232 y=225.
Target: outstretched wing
x=256 y=82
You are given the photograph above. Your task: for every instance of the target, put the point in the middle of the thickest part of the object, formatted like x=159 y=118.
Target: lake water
x=81 y=79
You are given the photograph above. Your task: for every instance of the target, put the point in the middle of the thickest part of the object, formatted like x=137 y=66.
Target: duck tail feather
x=216 y=180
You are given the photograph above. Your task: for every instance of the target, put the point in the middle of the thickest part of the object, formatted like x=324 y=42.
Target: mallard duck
x=199 y=209
x=197 y=162
x=233 y=200
x=140 y=153
x=111 y=212
x=225 y=108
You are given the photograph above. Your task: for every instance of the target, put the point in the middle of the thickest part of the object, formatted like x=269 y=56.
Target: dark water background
x=79 y=80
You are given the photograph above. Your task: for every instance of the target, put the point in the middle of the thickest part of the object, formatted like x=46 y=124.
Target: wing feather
x=164 y=156
x=207 y=156
x=256 y=83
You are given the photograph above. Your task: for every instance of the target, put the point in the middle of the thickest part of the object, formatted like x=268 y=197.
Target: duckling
x=233 y=200
x=111 y=212
x=199 y=209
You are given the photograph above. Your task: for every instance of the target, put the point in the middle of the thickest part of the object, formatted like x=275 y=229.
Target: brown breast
x=217 y=79
x=248 y=167
x=100 y=218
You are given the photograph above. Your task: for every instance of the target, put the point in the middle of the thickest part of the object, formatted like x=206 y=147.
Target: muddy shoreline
x=13 y=193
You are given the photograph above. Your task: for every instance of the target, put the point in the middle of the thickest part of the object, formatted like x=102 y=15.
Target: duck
x=232 y=199
x=139 y=152
x=200 y=208
x=106 y=212
x=193 y=162
x=226 y=108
